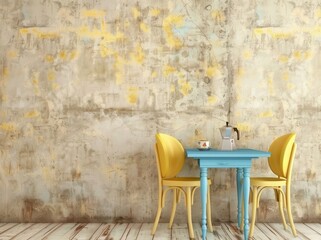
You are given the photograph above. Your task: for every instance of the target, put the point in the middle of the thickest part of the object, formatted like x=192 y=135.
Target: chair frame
x=284 y=199
x=187 y=188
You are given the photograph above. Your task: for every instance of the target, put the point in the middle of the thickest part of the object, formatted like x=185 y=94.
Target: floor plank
x=144 y=232
x=14 y=231
x=180 y=231
x=218 y=232
x=31 y=231
x=45 y=231
x=285 y=233
x=259 y=235
x=102 y=231
x=131 y=231
x=163 y=232
x=118 y=231
x=269 y=232
x=7 y=226
x=307 y=232
x=87 y=232
x=60 y=231
x=315 y=226
x=198 y=232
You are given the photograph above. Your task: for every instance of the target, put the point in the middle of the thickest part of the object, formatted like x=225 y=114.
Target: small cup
x=203 y=144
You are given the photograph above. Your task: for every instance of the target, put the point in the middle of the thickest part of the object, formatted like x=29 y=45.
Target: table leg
x=239 y=179
x=246 y=193
x=204 y=199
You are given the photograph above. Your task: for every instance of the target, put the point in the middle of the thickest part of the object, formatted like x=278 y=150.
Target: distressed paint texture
x=85 y=85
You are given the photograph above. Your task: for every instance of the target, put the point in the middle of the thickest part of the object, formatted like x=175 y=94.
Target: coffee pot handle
x=237 y=132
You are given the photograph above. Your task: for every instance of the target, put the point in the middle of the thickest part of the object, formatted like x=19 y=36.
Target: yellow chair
x=281 y=161
x=170 y=158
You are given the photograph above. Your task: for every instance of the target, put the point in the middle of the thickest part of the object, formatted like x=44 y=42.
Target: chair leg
x=281 y=207
x=189 y=212
x=288 y=205
x=209 y=215
x=159 y=211
x=254 y=206
x=173 y=208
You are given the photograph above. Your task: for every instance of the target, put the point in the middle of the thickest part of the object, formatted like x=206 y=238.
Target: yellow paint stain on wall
x=290 y=86
x=212 y=99
x=93 y=13
x=119 y=78
x=285 y=76
x=62 y=55
x=297 y=55
x=12 y=54
x=288 y=32
x=138 y=54
x=212 y=71
x=102 y=33
x=218 y=16
x=84 y=30
x=35 y=82
x=266 y=114
x=73 y=54
x=283 y=58
x=119 y=68
x=40 y=33
x=144 y=27
x=169 y=23
x=49 y=58
x=317 y=13
x=307 y=55
x=51 y=75
x=243 y=127
x=135 y=12
x=24 y=31
x=32 y=114
x=240 y=72
x=168 y=69
x=5 y=72
x=185 y=87
x=55 y=86
x=8 y=127
x=155 y=12
x=154 y=74
x=302 y=55
x=105 y=51
x=270 y=83
x=172 y=88
x=247 y=54
x=132 y=95
x=276 y=33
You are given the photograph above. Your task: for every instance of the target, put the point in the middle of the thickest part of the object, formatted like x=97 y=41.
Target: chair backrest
x=171 y=155
x=282 y=153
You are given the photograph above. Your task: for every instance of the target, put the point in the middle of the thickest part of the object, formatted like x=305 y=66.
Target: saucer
x=204 y=149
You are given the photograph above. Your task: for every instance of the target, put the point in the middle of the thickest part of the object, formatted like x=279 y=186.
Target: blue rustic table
x=241 y=160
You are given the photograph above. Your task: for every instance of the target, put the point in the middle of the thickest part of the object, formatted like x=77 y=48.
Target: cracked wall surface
x=85 y=85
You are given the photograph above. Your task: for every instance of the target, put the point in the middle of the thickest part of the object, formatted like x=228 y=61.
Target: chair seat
x=184 y=181
x=267 y=181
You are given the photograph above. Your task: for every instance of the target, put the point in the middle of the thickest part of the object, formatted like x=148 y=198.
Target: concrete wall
x=85 y=85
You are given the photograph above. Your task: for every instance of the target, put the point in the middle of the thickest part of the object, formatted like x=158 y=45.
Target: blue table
x=241 y=159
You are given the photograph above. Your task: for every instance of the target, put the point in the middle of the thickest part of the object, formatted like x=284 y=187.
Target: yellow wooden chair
x=170 y=158
x=281 y=161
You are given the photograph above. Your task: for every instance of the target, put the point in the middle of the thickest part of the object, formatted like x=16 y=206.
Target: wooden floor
x=141 y=231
